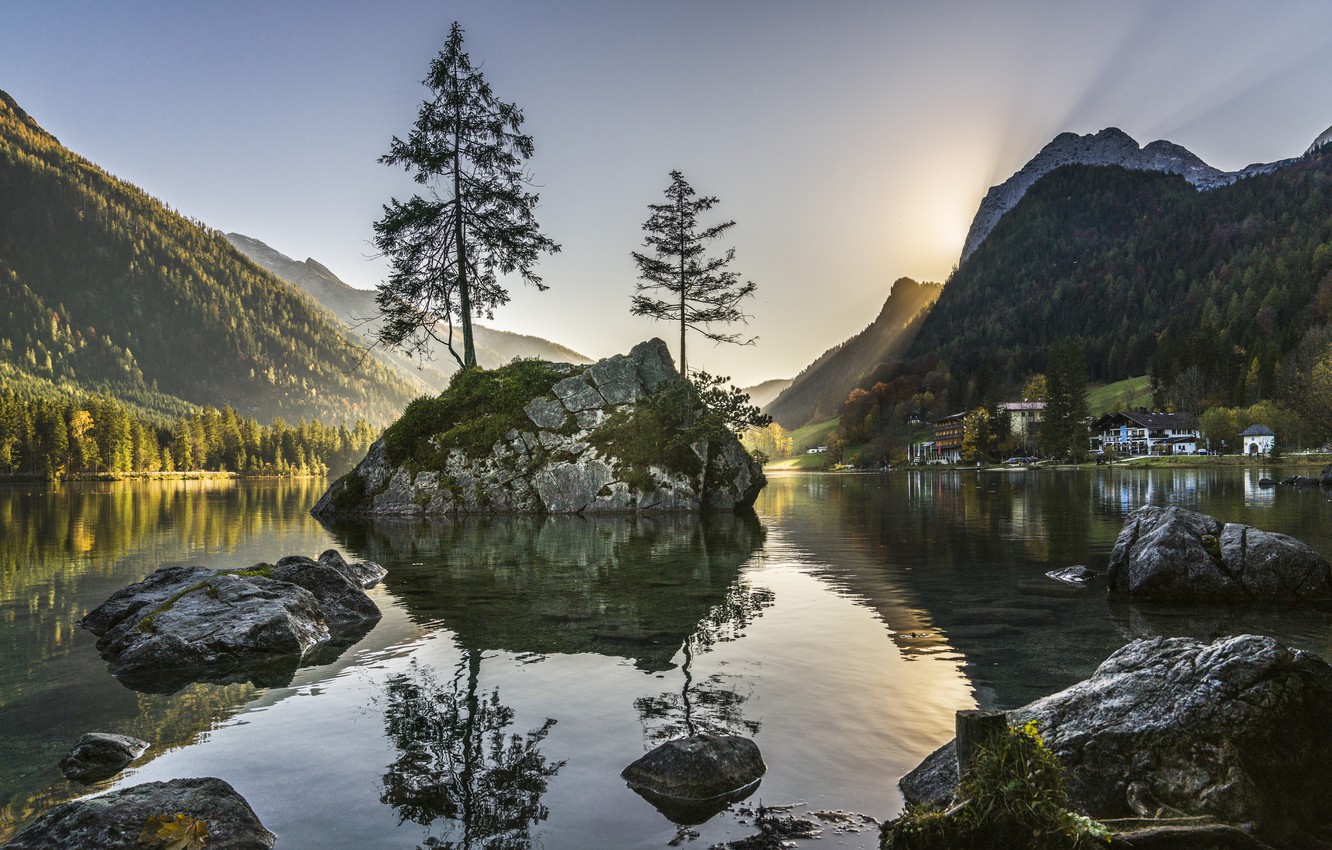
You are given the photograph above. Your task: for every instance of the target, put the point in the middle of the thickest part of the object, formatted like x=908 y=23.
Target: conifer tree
x=476 y=221
x=1063 y=430
x=695 y=290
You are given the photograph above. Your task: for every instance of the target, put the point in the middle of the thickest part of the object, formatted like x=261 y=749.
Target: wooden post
x=975 y=727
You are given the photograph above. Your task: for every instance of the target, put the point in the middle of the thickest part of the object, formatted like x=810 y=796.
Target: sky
x=851 y=142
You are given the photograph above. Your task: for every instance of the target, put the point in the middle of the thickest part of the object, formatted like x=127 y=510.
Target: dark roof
x=1257 y=431
x=1147 y=419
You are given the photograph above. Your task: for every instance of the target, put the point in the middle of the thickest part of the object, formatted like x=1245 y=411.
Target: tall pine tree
x=677 y=281
x=1063 y=432
x=476 y=222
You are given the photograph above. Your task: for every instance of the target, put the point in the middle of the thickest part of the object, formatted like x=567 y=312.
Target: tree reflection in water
x=459 y=764
x=713 y=705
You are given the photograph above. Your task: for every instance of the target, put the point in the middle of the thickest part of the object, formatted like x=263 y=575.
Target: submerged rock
x=114 y=821
x=689 y=779
x=1300 y=481
x=578 y=442
x=1174 y=553
x=1076 y=575
x=1239 y=729
x=184 y=624
x=100 y=755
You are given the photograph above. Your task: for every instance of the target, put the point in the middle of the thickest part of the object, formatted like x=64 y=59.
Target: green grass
x=1121 y=395
x=813 y=435
x=802 y=439
x=799 y=462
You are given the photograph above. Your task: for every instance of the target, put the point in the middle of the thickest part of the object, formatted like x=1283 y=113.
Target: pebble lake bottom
x=522 y=663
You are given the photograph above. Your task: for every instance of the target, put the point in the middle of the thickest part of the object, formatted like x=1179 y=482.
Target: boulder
x=184 y=624
x=1239 y=729
x=698 y=768
x=365 y=574
x=1175 y=553
x=1300 y=481
x=579 y=448
x=1325 y=478
x=100 y=755
x=114 y=821
x=1077 y=575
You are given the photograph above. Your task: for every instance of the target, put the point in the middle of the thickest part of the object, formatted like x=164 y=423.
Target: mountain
x=1111 y=146
x=356 y=309
x=1151 y=274
x=818 y=391
x=107 y=290
x=762 y=394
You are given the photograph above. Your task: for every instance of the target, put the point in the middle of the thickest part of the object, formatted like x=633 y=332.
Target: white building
x=1139 y=432
x=1257 y=440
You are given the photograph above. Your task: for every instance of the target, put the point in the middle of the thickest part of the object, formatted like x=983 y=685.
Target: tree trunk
x=464 y=286
x=679 y=211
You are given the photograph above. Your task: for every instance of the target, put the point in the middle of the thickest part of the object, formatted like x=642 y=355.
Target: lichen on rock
x=625 y=434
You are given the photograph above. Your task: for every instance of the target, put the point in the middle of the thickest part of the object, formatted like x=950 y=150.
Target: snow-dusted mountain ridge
x=1111 y=146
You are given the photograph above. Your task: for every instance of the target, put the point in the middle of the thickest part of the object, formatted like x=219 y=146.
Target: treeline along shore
x=98 y=437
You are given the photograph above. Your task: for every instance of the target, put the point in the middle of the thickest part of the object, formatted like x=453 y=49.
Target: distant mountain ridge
x=1111 y=146
x=106 y=290
x=818 y=391
x=356 y=309
x=762 y=394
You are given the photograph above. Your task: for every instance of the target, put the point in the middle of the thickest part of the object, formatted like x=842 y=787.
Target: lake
x=522 y=663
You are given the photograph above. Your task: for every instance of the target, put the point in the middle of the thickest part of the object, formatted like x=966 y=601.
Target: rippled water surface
x=522 y=663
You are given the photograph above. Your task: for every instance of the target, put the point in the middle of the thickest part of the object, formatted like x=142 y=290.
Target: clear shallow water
x=841 y=628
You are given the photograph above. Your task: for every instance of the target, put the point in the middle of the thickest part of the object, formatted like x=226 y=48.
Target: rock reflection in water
x=623 y=587
x=459 y=768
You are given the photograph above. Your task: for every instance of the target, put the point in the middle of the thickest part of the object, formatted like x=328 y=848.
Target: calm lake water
x=522 y=663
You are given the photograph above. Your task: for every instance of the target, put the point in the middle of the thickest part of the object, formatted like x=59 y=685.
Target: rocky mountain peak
x=1111 y=146
x=1324 y=138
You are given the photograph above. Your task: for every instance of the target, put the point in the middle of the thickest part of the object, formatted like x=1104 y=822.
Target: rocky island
x=624 y=435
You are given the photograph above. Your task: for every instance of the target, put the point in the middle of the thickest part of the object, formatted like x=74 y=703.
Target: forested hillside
x=1153 y=277
x=817 y=392
x=107 y=290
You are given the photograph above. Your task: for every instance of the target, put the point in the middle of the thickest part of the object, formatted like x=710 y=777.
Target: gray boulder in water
x=1175 y=553
x=100 y=755
x=114 y=821
x=698 y=768
x=1239 y=729
x=581 y=446
x=184 y=624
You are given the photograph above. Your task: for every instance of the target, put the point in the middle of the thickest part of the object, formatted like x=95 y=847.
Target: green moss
x=1013 y=798
x=146 y=624
x=659 y=431
x=349 y=492
x=260 y=570
x=479 y=407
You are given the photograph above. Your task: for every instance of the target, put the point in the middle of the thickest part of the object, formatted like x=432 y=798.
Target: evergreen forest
x=111 y=293
x=47 y=438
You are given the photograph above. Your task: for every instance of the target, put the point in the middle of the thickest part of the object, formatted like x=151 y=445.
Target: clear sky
x=850 y=141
